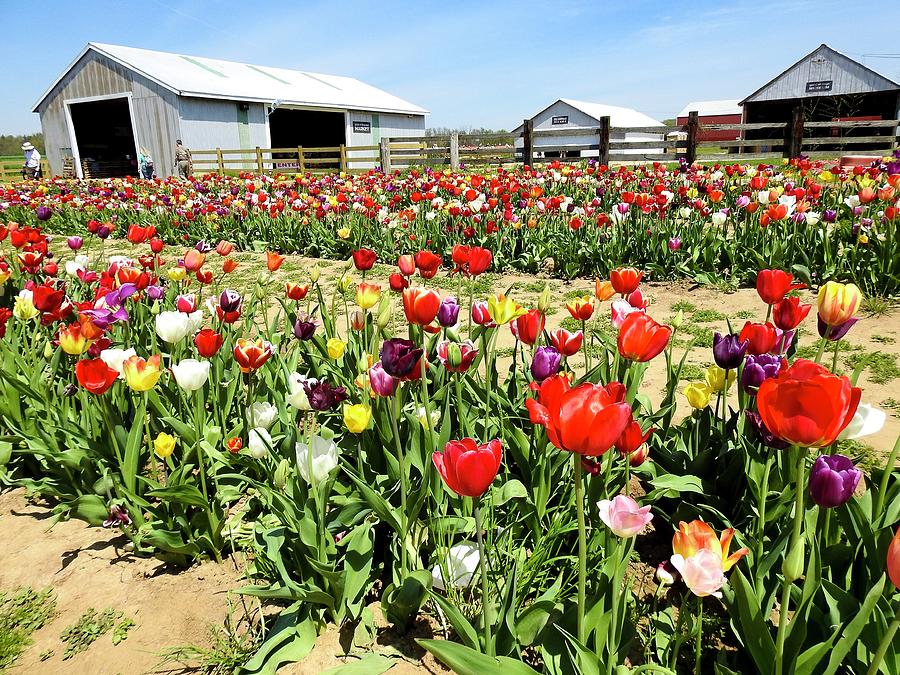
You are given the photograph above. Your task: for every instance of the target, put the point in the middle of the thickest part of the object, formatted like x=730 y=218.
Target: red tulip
x=479 y=260
x=625 y=279
x=138 y=234
x=773 y=285
x=632 y=438
x=296 y=291
x=95 y=376
x=566 y=343
x=587 y=419
x=208 y=342
x=761 y=337
x=467 y=468
x=460 y=257
x=421 y=305
x=364 y=259
x=157 y=245
x=407 y=265
x=398 y=282
x=252 y=354
x=529 y=326
x=787 y=313
x=224 y=248
x=273 y=260
x=428 y=263
x=641 y=338
x=807 y=405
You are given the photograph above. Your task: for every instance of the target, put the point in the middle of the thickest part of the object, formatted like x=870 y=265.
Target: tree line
x=12 y=144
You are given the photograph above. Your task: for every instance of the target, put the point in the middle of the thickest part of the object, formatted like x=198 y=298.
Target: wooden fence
x=300 y=159
x=11 y=169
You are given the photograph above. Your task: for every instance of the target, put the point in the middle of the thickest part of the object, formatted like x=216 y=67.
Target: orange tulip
x=625 y=280
x=229 y=265
x=251 y=354
x=273 y=260
x=581 y=308
x=697 y=535
x=641 y=338
x=421 y=305
x=603 y=290
x=193 y=260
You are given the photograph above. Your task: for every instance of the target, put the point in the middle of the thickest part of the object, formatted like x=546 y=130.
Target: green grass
x=703 y=335
x=91 y=626
x=532 y=286
x=876 y=306
x=22 y=612
x=708 y=315
x=684 y=306
x=692 y=372
x=892 y=405
x=863 y=455
x=884 y=339
x=811 y=350
x=882 y=367
x=744 y=314
x=232 y=646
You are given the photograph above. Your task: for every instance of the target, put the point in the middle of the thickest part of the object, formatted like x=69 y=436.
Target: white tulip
x=114 y=358
x=866 y=421
x=461 y=563
x=191 y=374
x=718 y=218
x=297 y=394
x=322 y=461
x=263 y=415
x=813 y=217
x=423 y=419
x=173 y=327
x=258 y=442
x=196 y=321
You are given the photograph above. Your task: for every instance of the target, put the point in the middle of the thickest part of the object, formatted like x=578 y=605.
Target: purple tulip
x=382 y=383
x=742 y=202
x=765 y=436
x=728 y=350
x=304 y=328
x=203 y=247
x=104 y=231
x=829 y=216
x=783 y=340
x=833 y=480
x=675 y=243
x=75 y=242
x=229 y=301
x=399 y=356
x=118 y=517
x=545 y=363
x=448 y=312
x=156 y=293
x=43 y=213
x=757 y=369
x=836 y=332
x=323 y=396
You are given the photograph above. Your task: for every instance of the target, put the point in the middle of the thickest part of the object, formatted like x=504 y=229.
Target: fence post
x=603 y=155
x=794 y=141
x=301 y=168
x=259 y=163
x=454 y=150
x=528 y=143
x=220 y=162
x=343 y=160
x=693 y=133
x=384 y=150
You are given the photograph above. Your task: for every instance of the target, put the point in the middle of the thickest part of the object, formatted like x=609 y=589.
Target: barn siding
x=823 y=64
x=210 y=123
x=155 y=117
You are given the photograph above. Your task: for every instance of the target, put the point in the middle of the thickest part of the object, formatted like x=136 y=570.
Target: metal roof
x=618 y=116
x=201 y=77
x=724 y=107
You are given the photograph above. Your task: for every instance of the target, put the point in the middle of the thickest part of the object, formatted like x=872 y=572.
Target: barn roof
x=202 y=77
x=851 y=77
x=724 y=107
x=618 y=116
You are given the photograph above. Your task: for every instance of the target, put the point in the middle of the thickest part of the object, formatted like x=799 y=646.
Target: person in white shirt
x=32 y=168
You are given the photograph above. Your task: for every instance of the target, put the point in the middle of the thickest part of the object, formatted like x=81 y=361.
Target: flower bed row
x=708 y=223
x=361 y=441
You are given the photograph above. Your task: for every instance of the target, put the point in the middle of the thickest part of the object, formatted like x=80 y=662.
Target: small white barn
x=113 y=100
x=579 y=117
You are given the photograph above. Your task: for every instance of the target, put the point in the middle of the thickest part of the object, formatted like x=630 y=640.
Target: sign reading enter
x=362 y=127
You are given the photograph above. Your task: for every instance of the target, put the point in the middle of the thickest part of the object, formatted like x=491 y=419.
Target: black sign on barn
x=362 y=127
x=820 y=85
x=559 y=119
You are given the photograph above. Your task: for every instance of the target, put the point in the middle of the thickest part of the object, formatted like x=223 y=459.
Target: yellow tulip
x=140 y=374
x=698 y=395
x=176 y=274
x=344 y=233
x=4 y=275
x=24 y=309
x=838 y=302
x=357 y=417
x=336 y=348
x=367 y=295
x=314 y=273
x=72 y=341
x=503 y=310
x=863 y=239
x=164 y=445
x=715 y=378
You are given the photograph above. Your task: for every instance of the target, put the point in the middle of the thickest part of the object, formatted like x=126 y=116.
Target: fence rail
x=757 y=140
x=11 y=169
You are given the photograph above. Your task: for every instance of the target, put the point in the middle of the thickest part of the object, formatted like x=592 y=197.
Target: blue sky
x=470 y=63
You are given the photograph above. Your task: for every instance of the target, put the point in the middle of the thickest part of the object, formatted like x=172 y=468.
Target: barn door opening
x=104 y=141
x=289 y=128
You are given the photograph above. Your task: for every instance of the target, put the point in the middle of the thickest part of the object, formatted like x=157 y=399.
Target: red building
x=714 y=112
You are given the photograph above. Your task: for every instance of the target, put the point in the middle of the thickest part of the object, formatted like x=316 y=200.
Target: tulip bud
x=544 y=300
x=454 y=355
x=314 y=273
x=357 y=319
x=678 y=319
x=259 y=292
x=792 y=567
x=48 y=350
x=281 y=474
x=155 y=308
x=383 y=319
x=344 y=283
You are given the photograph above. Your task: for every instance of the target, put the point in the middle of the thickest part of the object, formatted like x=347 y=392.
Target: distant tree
x=669 y=122
x=472 y=135
x=12 y=145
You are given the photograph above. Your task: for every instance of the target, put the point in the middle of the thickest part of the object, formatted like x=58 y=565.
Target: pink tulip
x=620 y=309
x=702 y=572
x=623 y=516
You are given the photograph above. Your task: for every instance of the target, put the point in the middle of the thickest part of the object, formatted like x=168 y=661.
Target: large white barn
x=112 y=100
x=580 y=117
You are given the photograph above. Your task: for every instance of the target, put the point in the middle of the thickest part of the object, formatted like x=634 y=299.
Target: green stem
x=761 y=523
x=822 y=344
x=697 y=647
x=587 y=356
x=886 y=642
x=404 y=525
x=198 y=430
x=885 y=477
x=834 y=358
x=485 y=595
x=582 y=544
x=794 y=542
x=457 y=381
x=426 y=400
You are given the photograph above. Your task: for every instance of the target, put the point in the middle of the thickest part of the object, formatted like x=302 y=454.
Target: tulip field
x=488 y=415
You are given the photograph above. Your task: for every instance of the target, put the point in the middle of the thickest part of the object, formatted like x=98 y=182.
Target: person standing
x=145 y=164
x=183 y=161
x=32 y=166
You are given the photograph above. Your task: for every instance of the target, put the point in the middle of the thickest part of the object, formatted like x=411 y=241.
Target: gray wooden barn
x=112 y=101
